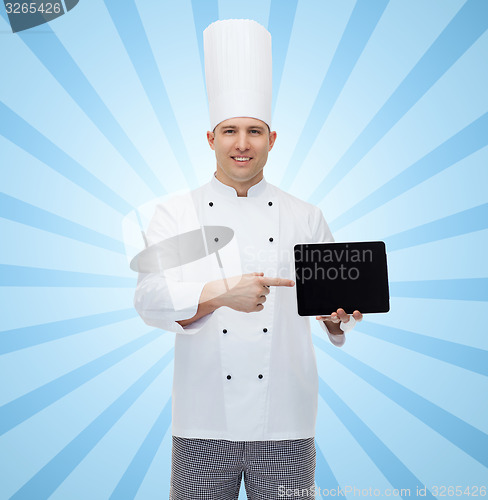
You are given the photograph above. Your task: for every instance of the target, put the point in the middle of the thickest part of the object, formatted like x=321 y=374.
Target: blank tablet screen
x=349 y=275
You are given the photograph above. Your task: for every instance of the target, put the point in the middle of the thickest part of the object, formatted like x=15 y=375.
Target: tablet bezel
x=307 y=304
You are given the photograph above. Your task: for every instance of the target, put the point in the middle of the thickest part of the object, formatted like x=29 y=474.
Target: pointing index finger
x=277 y=282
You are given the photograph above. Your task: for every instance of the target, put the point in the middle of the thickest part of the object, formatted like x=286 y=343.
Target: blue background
x=381 y=113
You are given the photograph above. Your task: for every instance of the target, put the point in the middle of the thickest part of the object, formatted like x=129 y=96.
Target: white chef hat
x=238 y=70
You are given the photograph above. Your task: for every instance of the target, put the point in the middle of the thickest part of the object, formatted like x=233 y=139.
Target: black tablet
x=349 y=275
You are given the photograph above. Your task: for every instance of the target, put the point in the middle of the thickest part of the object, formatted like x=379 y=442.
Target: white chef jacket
x=238 y=376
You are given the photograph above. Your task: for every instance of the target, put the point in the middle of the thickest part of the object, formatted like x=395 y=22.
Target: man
x=245 y=379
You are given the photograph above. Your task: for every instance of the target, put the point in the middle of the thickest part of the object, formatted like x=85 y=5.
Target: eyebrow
x=252 y=127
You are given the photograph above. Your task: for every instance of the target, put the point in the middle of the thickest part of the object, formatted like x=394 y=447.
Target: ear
x=211 y=139
x=272 y=139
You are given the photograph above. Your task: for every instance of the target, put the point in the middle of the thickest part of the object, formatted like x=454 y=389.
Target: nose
x=242 y=142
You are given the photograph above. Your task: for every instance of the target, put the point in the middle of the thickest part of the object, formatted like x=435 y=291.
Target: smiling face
x=241 y=148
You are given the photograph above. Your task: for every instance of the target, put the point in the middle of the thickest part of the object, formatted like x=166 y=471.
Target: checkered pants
x=211 y=469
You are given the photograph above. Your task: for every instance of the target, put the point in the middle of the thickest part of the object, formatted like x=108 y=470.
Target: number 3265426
x=33 y=8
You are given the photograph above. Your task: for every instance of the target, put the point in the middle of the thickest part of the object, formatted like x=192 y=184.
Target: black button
x=216 y=239
x=224 y=331
x=271 y=239
x=228 y=377
x=211 y=203
x=260 y=376
x=270 y=203
x=265 y=330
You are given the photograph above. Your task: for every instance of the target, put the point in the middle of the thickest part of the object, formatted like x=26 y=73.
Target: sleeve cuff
x=194 y=327
x=186 y=295
x=346 y=327
x=337 y=339
x=161 y=304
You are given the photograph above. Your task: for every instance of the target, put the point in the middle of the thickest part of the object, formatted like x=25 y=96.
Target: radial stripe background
x=381 y=111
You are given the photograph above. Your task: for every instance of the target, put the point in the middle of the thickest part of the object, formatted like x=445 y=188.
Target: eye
x=228 y=131
x=255 y=132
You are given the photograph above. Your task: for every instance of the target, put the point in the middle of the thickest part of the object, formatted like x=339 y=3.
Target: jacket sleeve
x=163 y=298
x=322 y=234
x=320 y=229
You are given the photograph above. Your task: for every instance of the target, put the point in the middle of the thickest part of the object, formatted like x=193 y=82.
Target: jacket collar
x=254 y=191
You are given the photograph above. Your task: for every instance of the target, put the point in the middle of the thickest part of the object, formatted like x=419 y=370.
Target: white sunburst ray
x=147 y=463
x=31 y=214
x=157 y=479
x=32 y=181
x=47 y=304
x=82 y=311
x=254 y=9
x=403 y=35
x=64 y=364
x=448 y=256
x=398 y=425
x=30 y=248
x=439 y=264
x=153 y=80
x=456 y=188
x=451 y=258
x=68 y=417
x=68 y=142
x=417 y=315
x=67 y=364
x=353 y=463
x=58 y=130
x=56 y=294
x=455 y=200
x=348 y=461
x=104 y=61
x=57 y=357
x=452 y=388
x=426 y=454
x=364 y=452
x=126 y=436
x=19 y=281
x=175 y=49
x=430 y=124
x=454 y=258
x=57 y=362
x=379 y=72
x=67 y=126
x=122 y=417
x=35 y=248
x=316 y=33
x=280 y=24
x=445 y=257
x=360 y=25
x=27 y=336
x=434 y=318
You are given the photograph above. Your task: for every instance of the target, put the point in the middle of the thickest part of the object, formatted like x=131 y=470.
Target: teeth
x=242 y=158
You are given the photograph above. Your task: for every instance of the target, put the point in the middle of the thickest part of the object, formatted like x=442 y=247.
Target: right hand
x=247 y=293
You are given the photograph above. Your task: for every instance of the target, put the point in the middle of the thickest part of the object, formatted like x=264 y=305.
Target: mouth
x=242 y=160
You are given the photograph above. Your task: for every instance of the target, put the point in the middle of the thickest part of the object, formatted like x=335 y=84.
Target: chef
x=245 y=383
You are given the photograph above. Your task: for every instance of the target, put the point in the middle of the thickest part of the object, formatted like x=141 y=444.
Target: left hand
x=334 y=320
